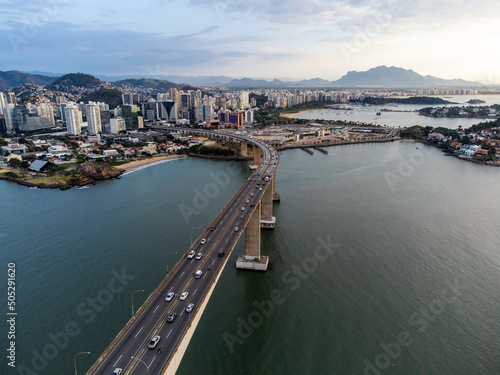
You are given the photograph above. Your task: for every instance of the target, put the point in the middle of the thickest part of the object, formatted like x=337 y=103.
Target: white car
x=203 y=241
x=154 y=341
x=236 y=229
x=242 y=208
x=191 y=255
x=184 y=296
x=198 y=273
x=198 y=256
x=118 y=371
x=190 y=307
x=169 y=296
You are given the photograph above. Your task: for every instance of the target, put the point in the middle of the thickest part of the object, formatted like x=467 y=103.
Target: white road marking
x=156 y=309
x=181 y=274
x=118 y=359
x=170 y=332
x=151 y=362
x=138 y=332
x=197 y=289
x=181 y=313
x=213 y=261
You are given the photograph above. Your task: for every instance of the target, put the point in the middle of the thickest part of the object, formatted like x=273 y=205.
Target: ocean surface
x=402 y=115
x=385 y=260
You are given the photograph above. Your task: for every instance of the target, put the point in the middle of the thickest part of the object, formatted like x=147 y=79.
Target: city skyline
x=290 y=39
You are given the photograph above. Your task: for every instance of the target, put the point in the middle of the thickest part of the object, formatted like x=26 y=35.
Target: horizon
x=294 y=40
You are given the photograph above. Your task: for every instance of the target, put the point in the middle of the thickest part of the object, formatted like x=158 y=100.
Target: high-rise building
x=245 y=99
x=9 y=117
x=117 y=124
x=204 y=112
x=3 y=102
x=73 y=118
x=174 y=97
x=93 y=118
x=45 y=110
x=11 y=98
x=167 y=110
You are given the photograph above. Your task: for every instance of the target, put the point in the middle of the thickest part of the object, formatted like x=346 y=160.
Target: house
x=38 y=166
x=14 y=148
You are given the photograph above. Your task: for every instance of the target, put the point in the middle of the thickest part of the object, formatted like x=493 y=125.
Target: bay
x=408 y=252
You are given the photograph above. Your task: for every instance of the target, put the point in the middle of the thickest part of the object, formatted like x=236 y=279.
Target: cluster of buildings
x=474 y=150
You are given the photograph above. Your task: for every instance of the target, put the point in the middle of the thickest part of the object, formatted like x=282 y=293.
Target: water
x=409 y=263
x=402 y=115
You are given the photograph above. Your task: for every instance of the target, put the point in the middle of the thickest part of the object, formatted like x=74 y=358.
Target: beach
x=140 y=163
x=292 y=115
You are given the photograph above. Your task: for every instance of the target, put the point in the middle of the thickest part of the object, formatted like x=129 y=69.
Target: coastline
x=143 y=162
x=292 y=115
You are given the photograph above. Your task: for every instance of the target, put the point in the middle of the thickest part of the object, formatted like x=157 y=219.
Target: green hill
x=15 y=78
x=113 y=97
x=157 y=84
x=76 y=79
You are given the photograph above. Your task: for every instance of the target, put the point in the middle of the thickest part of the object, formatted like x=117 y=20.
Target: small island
x=475 y=101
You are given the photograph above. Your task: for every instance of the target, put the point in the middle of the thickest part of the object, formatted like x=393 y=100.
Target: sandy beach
x=140 y=163
x=292 y=115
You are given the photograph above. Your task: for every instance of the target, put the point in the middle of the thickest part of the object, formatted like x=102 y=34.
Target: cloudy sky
x=297 y=39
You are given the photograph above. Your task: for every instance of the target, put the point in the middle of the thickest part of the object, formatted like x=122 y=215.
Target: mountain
x=75 y=79
x=111 y=96
x=15 y=78
x=156 y=84
x=383 y=76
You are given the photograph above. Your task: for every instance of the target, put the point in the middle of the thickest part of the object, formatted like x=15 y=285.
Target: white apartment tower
x=93 y=118
x=72 y=114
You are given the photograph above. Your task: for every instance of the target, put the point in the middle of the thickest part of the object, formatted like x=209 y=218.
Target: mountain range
x=379 y=77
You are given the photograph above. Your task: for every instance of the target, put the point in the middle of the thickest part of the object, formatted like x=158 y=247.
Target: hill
x=113 y=97
x=75 y=79
x=15 y=78
x=383 y=76
x=157 y=84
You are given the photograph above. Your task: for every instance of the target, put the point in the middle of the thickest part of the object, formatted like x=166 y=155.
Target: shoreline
x=292 y=115
x=143 y=162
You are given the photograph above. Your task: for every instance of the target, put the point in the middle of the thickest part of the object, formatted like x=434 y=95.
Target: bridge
x=249 y=210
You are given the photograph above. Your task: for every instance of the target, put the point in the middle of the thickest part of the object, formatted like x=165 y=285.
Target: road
x=151 y=319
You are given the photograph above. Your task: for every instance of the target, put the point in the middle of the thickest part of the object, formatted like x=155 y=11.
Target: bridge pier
x=252 y=260
x=268 y=221
x=244 y=149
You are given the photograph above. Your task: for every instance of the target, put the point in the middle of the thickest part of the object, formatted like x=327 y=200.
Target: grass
x=118 y=163
x=46 y=179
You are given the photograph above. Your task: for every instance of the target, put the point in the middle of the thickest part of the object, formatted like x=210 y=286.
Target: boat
x=378 y=113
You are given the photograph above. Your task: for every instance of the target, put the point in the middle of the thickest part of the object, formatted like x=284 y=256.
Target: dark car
x=171 y=317
x=221 y=254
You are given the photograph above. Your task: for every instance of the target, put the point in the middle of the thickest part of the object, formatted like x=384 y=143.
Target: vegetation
x=112 y=97
x=157 y=84
x=9 y=174
x=211 y=150
x=464 y=111
x=411 y=100
x=76 y=79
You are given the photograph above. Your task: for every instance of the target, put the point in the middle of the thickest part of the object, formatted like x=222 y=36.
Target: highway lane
x=152 y=319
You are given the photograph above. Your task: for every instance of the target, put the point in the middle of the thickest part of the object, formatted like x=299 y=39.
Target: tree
x=14 y=163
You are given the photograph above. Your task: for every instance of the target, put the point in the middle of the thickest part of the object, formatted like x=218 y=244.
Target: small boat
x=378 y=113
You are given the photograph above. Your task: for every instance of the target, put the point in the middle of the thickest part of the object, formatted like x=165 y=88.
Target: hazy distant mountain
x=383 y=76
x=14 y=78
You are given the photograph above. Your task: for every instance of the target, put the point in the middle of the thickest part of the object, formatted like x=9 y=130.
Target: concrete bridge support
x=268 y=221
x=252 y=260
x=244 y=149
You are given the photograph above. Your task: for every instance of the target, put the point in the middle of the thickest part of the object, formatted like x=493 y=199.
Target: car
x=236 y=229
x=242 y=208
x=257 y=186
x=252 y=194
x=203 y=241
x=197 y=275
x=184 y=296
x=191 y=254
x=247 y=201
x=252 y=205
x=221 y=254
x=190 y=307
x=117 y=371
x=171 y=317
x=169 y=296
x=154 y=341
x=198 y=256
x=260 y=189
x=213 y=228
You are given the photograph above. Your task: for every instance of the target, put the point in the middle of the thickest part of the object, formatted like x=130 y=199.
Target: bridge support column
x=267 y=221
x=252 y=260
x=276 y=196
x=244 y=149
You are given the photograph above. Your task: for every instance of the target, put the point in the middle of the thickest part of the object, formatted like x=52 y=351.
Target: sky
x=286 y=39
